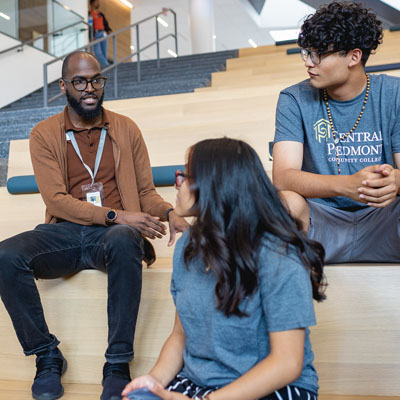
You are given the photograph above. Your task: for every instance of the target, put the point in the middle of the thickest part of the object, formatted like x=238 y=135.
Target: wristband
x=167 y=213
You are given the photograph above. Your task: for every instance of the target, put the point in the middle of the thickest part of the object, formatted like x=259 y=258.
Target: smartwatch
x=111 y=216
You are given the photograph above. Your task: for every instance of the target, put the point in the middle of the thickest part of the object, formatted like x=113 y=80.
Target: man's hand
x=355 y=182
x=381 y=192
x=146 y=224
x=176 y=224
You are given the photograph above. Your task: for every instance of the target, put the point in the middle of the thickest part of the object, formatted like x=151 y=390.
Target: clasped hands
x=151 y=227
x=375 y=185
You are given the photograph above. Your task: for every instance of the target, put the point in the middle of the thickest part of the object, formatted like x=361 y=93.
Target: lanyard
x=71 y=136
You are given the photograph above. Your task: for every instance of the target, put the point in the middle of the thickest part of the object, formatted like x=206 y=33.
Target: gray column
x=201 y=13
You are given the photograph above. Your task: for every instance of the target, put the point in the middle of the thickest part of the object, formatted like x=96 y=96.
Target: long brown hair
x=236 y=207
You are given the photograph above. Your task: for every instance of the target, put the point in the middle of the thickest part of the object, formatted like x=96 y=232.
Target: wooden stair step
x=21 y=390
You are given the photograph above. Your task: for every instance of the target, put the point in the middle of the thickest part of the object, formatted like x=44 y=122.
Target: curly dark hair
x=342 y=26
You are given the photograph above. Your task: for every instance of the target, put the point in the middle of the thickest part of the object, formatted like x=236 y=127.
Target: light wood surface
x=271 y=65
x=390 y=42
x=76 y=312
x=22 y=391
x=357 y=339
x=356 y=342
x=269 y=49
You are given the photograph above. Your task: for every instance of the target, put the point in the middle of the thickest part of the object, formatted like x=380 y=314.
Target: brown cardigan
x=48 y=149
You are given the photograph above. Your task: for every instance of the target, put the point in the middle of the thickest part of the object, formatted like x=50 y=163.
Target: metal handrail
x=115 y=64
x=42 y=36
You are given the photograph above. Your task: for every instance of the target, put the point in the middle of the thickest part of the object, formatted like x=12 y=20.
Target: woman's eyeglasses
x=179 y=178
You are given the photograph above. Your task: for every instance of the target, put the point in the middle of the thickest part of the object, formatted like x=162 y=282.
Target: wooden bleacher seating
x=356 y=341
x=268 y=65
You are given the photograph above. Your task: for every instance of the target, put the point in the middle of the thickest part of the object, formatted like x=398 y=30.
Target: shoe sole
x=56 y=396
x=48 y=397
x=112 y=398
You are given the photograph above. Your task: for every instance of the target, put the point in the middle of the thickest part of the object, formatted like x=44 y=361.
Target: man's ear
x=62 y=86
x=355 y=57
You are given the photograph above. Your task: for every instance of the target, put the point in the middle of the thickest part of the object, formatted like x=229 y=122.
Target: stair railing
x=116 y=63
x=20 y=46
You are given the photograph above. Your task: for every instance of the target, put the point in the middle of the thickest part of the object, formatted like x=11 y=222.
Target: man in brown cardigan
x=94 y=174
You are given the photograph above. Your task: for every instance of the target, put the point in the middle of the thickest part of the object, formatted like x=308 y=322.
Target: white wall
x=233 y=26
x=144 y=9
x=236 y=22
x=273 y=15
x=22 y=72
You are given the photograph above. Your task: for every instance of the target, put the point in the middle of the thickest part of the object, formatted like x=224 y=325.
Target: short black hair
x=342 y=26
x=64 y=70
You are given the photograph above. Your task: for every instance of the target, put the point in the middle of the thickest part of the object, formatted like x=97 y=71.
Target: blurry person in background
x=101 y=29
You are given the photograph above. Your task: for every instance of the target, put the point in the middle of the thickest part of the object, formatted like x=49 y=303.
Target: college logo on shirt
x=322 y=130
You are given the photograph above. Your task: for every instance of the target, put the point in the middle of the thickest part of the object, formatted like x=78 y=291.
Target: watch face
x=111 y=215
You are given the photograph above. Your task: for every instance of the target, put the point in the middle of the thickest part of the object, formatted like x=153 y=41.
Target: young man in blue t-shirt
x=337 y=139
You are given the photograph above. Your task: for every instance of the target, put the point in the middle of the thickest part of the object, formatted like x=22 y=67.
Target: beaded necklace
x=337 y=139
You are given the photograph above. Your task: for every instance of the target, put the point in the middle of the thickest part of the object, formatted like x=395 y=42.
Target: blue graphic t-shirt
x=301 y=116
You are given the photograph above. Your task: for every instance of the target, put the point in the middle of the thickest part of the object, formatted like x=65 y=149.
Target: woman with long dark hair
x=244 y=278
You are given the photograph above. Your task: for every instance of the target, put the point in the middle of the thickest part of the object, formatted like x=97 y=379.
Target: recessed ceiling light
x=214 y=36
x=252 y=43
x=172 y=53
x=127 y=3
x=132 y=47
x=163 y=22
x=5 y=16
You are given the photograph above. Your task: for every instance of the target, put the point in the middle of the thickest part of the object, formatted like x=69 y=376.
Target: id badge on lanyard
x=92 y=192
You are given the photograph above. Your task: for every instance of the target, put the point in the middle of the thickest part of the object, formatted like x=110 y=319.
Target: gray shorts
x=366 y=235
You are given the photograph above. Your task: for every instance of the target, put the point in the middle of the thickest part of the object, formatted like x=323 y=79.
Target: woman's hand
x=142 y=381
x=154 y=386
x=166 y=395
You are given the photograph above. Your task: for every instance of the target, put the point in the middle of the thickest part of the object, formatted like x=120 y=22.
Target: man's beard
x=87 y=115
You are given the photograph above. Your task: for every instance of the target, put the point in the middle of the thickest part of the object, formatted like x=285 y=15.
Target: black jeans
x=54 y=250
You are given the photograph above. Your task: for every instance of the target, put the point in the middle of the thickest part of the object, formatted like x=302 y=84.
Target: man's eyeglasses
x=80 y=84
x=179 y=178
x=316 y=56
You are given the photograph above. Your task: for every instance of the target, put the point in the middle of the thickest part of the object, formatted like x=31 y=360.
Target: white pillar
x=201 y=13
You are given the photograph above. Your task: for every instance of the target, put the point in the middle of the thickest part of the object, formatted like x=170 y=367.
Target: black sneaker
x=47 y=382
x=115 y=378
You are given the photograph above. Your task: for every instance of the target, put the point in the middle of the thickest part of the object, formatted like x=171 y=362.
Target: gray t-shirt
x=220 y=349
x=301 y=116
